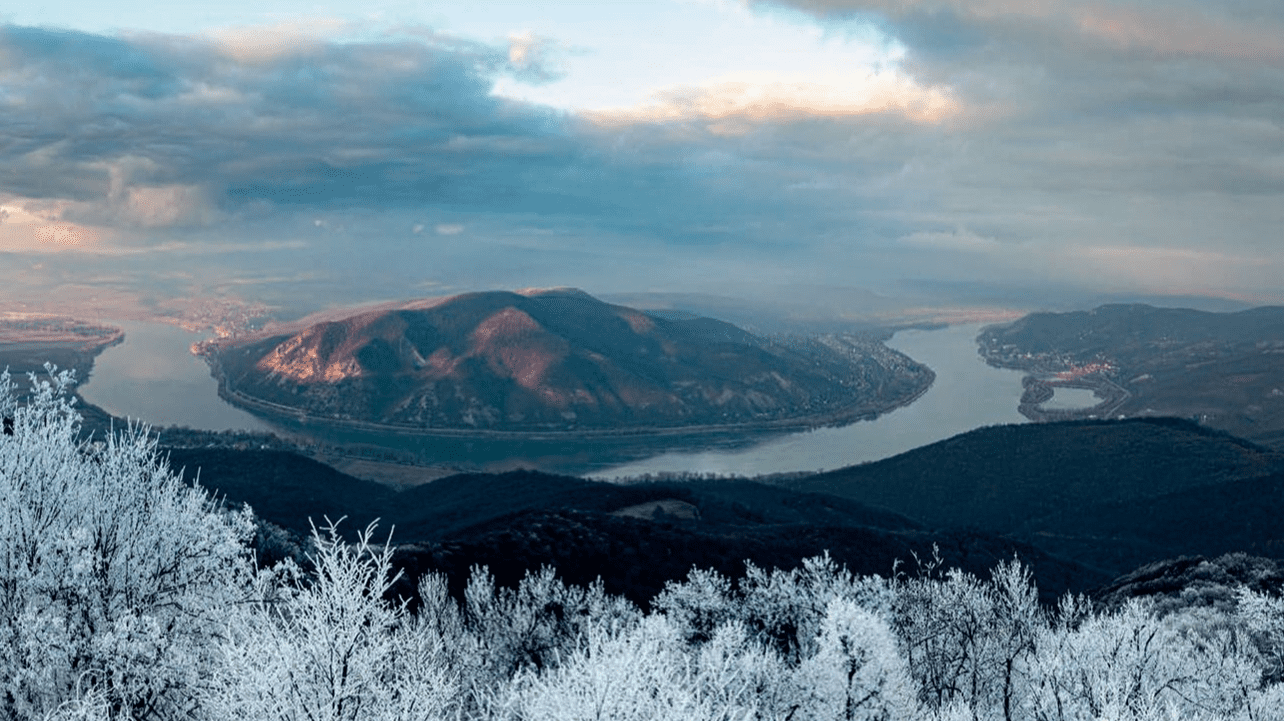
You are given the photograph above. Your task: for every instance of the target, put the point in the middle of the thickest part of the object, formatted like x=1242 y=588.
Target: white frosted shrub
x=533 y=625
x=784 y=609
x=698 y=605
x=857 y=672
x=1263 y=616
x=331 y=648
x=944 y=627
x=1131 y=664
x=735 y=671
x=644 y=673
x=113 y=572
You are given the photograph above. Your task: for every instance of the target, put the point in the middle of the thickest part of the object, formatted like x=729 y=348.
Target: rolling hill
x=542 y=361
x=1112 y=494
x=634 y=537
x=1081 y=502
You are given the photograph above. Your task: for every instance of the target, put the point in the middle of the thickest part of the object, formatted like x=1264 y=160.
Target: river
x=967 y=394
x=154 y=377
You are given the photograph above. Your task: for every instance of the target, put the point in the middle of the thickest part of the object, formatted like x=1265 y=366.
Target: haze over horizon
x=305 y=155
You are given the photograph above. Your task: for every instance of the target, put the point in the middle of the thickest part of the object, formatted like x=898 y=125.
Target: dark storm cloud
x=1112 y=144
x=1124 y=140
x=88 y=118
x=167 y=131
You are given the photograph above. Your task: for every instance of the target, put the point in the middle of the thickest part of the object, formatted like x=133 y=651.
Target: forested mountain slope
x=635 y=537
x=1113 y=494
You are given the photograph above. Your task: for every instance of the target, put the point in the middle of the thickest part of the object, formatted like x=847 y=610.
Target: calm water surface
x=153 y=376
x=1071 y=398
x=967 y=394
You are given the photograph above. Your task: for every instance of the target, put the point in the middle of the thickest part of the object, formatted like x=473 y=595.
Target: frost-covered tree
x=782 y=609
x=857 y=672
x=642 y=673
x=1134 y=664
x=536 y=623
x=785 y=609
x=331 y=647
x=113 y=571
x=698 y=605
x=1263 y=617
x=943 y=625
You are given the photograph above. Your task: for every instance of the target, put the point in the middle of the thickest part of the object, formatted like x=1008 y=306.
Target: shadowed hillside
x=1111 y=494
x=1235 y=517
x=524 y=519
x=1002 y=477
x=635 y=557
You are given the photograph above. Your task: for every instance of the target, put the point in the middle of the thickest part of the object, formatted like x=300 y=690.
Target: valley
x=1080 y=501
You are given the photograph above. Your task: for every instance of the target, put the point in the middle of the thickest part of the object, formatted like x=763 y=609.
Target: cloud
x=1184 y=32
x=778 y=100
x=535 y=58
x=275 y=42
x=1013 y=140
x=1182 y=270
x=160 y=131
x=959 y=239
x=36 y=227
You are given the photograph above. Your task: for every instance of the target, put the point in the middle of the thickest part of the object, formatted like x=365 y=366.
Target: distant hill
x=1080 y=502
x=1129 y=328
x=635 y=557
x=1224 y=369
x=589 y=529
x=1000 y=477
x=1242 y=516
x=552 y=361
x=1110 y=493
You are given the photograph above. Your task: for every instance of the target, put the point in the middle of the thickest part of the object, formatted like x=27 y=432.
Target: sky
x=305 y=155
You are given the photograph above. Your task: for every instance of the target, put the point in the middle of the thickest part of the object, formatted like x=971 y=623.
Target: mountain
x=1224 y=369
x=552 y=361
